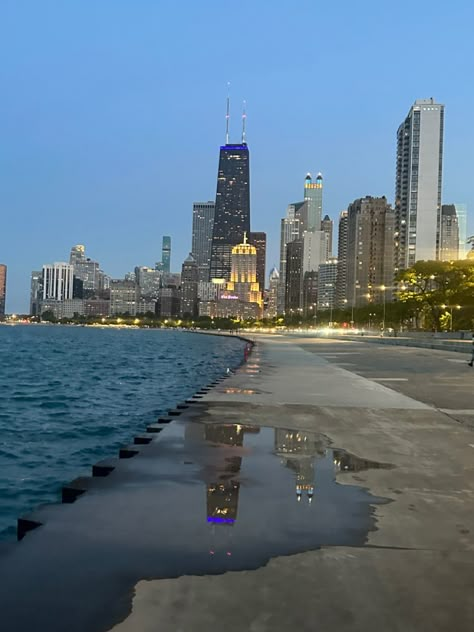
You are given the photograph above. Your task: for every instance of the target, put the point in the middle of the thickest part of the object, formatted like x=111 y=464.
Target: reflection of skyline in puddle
x=239 y=391
x=242 y=484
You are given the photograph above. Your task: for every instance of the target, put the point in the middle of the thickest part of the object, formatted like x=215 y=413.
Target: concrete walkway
x=416 y=571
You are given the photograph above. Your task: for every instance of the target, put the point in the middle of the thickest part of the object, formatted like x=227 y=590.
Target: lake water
x=70 y=396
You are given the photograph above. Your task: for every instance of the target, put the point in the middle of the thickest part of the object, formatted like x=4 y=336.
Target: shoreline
x=120 y=539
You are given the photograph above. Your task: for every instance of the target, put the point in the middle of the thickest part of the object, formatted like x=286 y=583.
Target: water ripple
x=70 y=396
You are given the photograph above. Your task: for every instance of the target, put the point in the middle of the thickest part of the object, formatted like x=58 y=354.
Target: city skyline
x=93 y=143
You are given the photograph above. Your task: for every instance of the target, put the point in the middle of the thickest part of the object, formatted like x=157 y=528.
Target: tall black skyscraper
x=232 y=210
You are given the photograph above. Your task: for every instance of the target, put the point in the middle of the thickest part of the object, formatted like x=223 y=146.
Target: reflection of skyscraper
x=223 y=491
x=232 y=210
x=299 y=449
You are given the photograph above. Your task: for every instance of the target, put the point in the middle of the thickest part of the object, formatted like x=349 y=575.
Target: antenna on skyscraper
x=244 y=118
x=227 y=116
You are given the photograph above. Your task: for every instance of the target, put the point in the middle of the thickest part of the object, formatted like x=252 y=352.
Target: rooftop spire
x=227 y=116
x=244 y=119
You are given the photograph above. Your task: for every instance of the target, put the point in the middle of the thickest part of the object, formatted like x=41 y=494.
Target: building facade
x=370 y=251
x=461 y=212
x=259 y=240
x=291 y=229
x=166 y=254
x=189 y=287
x=58 y=282
x=294 y=277
x=232 y=208
x=449 y=238
x=85 y=269
x=418 y=186
x=123 y=297
x=272 y=302
x=327 y=279
x=148 y=281
x=313 y=196
x=3 y=288
x=327 y=228
x=203 y=224
x=342 y=243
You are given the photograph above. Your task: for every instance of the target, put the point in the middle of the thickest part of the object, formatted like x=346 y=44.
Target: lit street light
x=451 y=307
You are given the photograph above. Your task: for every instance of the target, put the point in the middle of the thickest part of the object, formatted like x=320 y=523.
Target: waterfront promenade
x=390 y=546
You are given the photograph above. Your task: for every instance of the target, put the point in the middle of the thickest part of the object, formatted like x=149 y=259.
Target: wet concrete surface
x=204 y=498
x=264 y=507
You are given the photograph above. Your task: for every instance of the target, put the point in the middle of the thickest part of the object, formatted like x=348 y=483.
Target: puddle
x=203 y=499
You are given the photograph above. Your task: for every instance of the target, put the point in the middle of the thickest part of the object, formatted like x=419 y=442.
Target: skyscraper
x=449 y=239
x=461 y=213
x=274 y=283
x=342 y=242
x=313 y=195
x=58 y=282
x=166 y=254
x=419 y=183
x=370 y=251
x=203 y=224
x=3 y=288
x=327 y=277
x=259 y=240
x=294 y=276
x=36 y=292
x=314 y=249
x=85 y=269
x=327 y=228
x=232 y=210
x=242 y=296
x=189 y=287
x=291 y=229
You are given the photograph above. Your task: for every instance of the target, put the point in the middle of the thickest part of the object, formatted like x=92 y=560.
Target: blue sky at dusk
x=112 y=113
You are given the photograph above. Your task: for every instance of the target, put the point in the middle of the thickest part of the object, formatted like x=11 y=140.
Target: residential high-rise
x=370 y=251
x=85 y=269
x=58 y=282
x=3 y=288
x=419 y=183
x=342 y=242
x=203 y=224
x=327 y=277
x=259 y=240
x=461 y=212
x=123 y=297
x=313 y=195
x=449 y=239
x=313 y=236
x=274 y=283
x=294 y=277
x=36 y=292
x=148 y=281
x=166 y=254
x=232 y=210
x=189 y=287
x=291 y=229
x=327 y=228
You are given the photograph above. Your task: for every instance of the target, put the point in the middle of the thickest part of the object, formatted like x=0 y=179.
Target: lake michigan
x=70 y=396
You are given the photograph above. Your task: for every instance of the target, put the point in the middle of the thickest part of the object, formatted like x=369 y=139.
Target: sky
x=112 y=113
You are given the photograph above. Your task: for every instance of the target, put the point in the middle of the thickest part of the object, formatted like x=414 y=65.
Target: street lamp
x=383 y=288
x=451 y=307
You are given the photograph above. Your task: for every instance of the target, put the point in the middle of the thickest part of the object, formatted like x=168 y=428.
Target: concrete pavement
x=416 y=570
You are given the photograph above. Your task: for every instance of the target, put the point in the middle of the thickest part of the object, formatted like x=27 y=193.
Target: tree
x=434 y=288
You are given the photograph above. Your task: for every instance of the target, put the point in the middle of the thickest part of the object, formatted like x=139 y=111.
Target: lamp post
x=383 y=288
x=451 y=307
